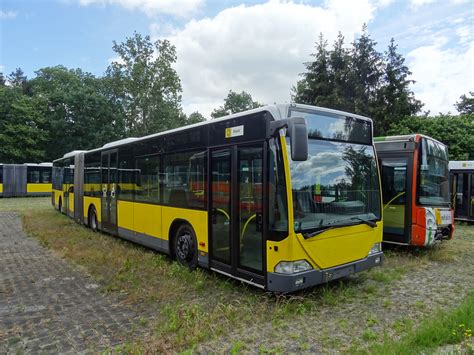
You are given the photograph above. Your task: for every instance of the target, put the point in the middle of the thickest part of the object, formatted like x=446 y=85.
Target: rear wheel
x=185 y=246
x=93 y=220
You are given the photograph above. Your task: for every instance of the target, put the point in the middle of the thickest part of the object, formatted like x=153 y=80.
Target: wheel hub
x=184 y=247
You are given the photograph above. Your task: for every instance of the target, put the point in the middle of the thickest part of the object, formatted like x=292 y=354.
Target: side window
x=184 y=179
x=92 y=175
x=127 y=176
x=33 y=175
x=394 y=181
x=147 y=185
x=1 y=174
x=46 y=176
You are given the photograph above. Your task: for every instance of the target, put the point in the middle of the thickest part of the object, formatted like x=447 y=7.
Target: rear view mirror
x=298 y=138
x=298 y=133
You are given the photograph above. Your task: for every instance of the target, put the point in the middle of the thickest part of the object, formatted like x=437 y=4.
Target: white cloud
x=178 y=8
x=7 y=14
x=442 y=74
x=260 y=49
x=2 y=67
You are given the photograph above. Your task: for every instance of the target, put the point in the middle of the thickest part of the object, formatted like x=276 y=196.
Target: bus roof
x=461 y=165
x=278 y=111
x=414 y=137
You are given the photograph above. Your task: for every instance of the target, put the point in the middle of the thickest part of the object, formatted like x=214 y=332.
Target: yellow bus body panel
x=329 y=249
x=71 y=202
x=125 y=215
x=196 y=218
x=44 y=188
x=1 y=188
x=95 y=201
x=146 y=219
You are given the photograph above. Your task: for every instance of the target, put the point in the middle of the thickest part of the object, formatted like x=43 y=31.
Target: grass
x=453 y=326
x=189 y=308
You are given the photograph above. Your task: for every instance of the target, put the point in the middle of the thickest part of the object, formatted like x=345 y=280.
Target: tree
x=315 y=88
x=3 y=80
x=195 y=117
x=234 y=103
x=395 y=100
x=23 y=136
x=78 y=114
x=457 y=132
x=366 y=71
x=17 y=78
x=466 y=104
x=144 y=82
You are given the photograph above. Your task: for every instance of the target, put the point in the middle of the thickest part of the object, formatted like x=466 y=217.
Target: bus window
x=183 y=180
x=33 y=175
x=46 y=176
x=148 y=189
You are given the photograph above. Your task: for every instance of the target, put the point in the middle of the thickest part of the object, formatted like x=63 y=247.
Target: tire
x=185 y=246
x=60 y=205
x=93 y=225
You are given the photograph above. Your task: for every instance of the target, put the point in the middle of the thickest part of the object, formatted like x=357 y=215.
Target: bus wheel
x=93 y=220
x=185 y=246
x=60 y=205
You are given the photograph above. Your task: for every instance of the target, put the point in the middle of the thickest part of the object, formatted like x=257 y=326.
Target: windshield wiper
x=319 y=231
x=366 y=221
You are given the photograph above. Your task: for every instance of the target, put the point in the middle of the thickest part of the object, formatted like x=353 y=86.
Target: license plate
x=338 y=273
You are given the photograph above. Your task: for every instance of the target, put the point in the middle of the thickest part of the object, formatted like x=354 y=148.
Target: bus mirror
x=298 y=138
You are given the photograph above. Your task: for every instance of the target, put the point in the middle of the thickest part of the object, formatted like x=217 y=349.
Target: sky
x=253 y=46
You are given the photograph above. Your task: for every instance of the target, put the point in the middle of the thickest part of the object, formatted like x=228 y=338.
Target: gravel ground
x=378 y=309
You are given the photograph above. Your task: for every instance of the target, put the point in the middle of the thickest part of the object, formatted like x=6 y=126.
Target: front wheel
x=185 y=247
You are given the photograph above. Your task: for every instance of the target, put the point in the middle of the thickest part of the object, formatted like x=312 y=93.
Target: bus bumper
x=290 y=283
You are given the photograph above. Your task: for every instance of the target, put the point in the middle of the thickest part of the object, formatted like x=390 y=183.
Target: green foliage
x=23 y=136
x=466 y=104
x=144 y=82
x=457 y=132
x=359 y=80
x=234 y=103
x=78 y=115
x=195 y=117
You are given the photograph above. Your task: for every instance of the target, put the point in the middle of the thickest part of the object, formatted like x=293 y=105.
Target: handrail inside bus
x=393 y=199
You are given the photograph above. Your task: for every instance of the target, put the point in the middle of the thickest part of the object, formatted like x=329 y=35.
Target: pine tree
x=366 y=72
x=315 y=88
x=395 y=99
x=342 y=88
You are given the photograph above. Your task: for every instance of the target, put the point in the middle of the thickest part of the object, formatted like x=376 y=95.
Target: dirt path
x=49 y=306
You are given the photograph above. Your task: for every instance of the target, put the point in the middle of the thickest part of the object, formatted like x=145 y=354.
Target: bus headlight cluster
x=292 y=267
x=376 y=248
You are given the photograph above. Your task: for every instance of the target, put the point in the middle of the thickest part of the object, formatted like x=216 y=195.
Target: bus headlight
x=376 y=248
x=292 y=267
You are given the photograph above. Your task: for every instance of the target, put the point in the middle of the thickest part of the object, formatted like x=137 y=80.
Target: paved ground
x=48 y=306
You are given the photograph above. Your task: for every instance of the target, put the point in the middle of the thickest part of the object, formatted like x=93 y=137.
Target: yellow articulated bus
x=18 y=180
x=283 y=197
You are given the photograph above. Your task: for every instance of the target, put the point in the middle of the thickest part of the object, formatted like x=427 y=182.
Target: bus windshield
x=433 y=184
x=339 y=184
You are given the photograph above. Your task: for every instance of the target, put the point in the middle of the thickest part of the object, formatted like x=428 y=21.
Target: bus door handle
x=259 y=221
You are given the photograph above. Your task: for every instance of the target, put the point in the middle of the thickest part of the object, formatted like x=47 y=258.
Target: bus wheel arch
x=183 y=243
x=92 y=218
x=60 y=204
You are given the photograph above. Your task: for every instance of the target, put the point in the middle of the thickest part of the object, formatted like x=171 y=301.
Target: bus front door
x=396 y=187
x=109 y=192
x=236 y=212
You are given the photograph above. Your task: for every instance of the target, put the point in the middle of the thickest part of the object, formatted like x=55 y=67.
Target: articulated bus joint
x=291 y=283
